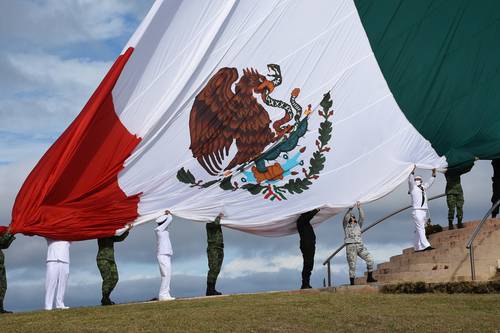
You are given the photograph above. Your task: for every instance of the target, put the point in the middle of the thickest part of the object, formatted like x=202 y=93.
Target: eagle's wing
x=209 y=121
x=253 y=134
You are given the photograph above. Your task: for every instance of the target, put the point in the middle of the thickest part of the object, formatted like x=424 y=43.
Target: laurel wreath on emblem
x=257 y=175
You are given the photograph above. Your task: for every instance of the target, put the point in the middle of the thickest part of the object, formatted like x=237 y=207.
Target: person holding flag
x=107 y=265
x=307 y=245
x=164 y=254
x=6 y=238
x=354 y=245
x=57 y=273
x=418 y=193
x=455 y=194
x=215 y=254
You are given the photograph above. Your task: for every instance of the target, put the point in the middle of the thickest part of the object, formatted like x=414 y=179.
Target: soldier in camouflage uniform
x=215 y=254
x=5 y=240
x=495 y=185
x=354 y=244
x=455 y=194
x=107 y=265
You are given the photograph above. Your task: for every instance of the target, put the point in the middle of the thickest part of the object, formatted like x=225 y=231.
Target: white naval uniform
x=57 y=273
x=420 y=210
x=164 y=253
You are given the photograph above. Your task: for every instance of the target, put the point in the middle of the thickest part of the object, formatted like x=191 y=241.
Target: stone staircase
x=449 y=261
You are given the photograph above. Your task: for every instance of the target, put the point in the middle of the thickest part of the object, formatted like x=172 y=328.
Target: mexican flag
x=264 y=110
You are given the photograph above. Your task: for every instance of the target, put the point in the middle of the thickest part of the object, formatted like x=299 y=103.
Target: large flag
x=267 y=109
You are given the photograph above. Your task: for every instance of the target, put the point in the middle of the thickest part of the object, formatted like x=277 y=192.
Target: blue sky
x=54 y=53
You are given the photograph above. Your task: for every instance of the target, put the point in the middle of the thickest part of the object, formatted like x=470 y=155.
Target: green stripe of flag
x=441 y=60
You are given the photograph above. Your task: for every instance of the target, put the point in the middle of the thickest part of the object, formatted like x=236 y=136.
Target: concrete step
x=410 y=277
x=457 y=237
x=450 y=259
x=426 y=256
x=426 y=267
x=407 y=251
x=383 y=265
x=490 y=225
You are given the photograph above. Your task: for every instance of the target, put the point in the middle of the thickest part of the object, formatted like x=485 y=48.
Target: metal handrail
x=327 y=260
x=473 y=236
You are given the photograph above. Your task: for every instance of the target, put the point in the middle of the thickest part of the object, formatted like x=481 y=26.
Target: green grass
x=277 y=312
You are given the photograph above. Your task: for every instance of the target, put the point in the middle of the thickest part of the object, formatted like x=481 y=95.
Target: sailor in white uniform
x=417 y=191
x=164 y=254
x=57 y=273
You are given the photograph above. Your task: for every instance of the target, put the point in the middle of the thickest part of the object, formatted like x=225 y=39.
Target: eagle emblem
x=233 y=136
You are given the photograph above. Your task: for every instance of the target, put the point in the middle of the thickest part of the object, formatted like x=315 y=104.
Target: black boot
x=2 y=310
x=450 y=225
x=460 y=225
x=211 y=290
x=305 y=285
x=370 y=278
x=106 y=300
x=352 y=281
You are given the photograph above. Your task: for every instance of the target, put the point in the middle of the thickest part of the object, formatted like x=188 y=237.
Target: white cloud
x=11 y=178
x=58 y=22
x=46 y=69
x=43 y=87
x=242 y=266
x=246 y=266
x=53 y=92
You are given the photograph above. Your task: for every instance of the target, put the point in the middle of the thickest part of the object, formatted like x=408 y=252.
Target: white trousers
x=419 y=217
x=165 y=271
x=56 y=280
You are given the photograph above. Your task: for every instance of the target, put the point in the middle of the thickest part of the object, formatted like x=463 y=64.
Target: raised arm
x=5 y=240
x=121 y=237
x=218 y=218
x=361 y=216
x=347 y=216
x=431 y=180
x=165 y=224
x=411 y=181
x=307 y=216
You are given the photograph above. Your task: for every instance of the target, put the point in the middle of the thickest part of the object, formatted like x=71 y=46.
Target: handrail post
x=473 y=236
x=472 y=264
x=329 y=274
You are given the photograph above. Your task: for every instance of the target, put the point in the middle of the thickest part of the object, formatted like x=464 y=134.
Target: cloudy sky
x=53 y=54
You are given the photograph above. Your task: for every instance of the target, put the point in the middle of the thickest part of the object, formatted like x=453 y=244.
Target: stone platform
x=449 y=261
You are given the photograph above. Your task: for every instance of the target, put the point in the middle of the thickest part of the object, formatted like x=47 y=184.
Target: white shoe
x=64 y=307
x=48 y=309
x=166 y=298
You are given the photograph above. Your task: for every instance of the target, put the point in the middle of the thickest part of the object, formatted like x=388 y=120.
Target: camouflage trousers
x=353 y=250
x=3 y=285
x=455 y=202
x=109 y=274
x=215 y=255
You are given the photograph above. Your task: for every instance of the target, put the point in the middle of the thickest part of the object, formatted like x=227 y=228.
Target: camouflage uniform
x=215 y=250
x=353 y=250
x=495 y=185
x=307 y=245
x=5 y=241
x=455 y=194
x=354 y=243
x=107 y=265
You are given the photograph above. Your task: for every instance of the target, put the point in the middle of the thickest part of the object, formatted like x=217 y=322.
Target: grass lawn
x=312 y=311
